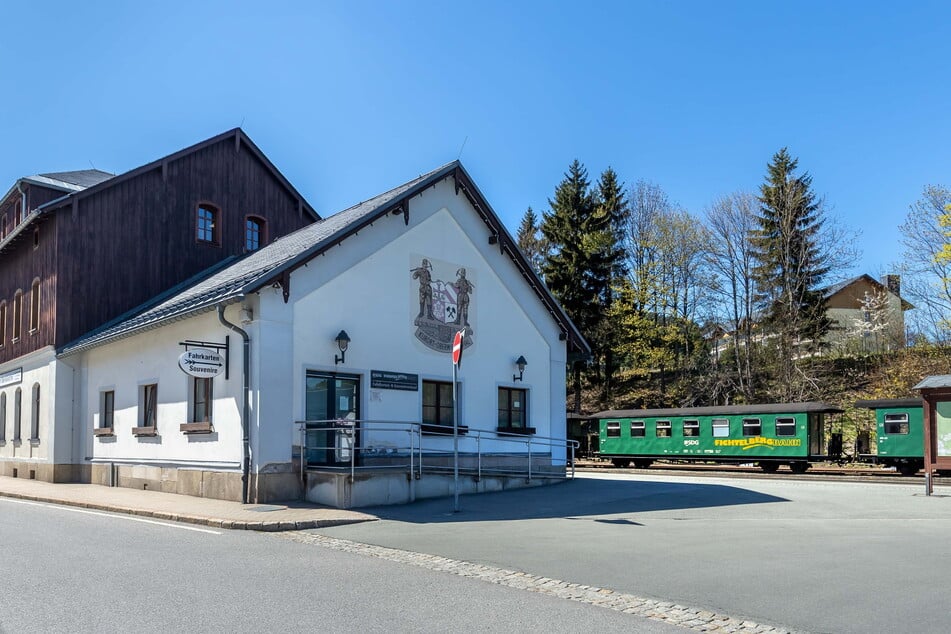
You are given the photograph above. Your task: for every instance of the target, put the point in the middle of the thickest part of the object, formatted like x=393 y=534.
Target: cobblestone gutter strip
x=687 y=617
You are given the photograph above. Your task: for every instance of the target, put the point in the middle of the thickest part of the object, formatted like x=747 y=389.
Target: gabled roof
x=841 y=286
x=71 y=181
x=278 y=259
x=83 y=183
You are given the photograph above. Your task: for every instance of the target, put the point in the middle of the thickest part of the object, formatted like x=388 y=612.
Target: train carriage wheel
x=621 y=463
x=799 y=467
x=643 y=463
x=769 y=467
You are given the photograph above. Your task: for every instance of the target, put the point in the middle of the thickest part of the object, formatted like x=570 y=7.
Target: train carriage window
x=752 y=427
x=637 y=429
x=785 y=426
x=663 y=428
x=896 y=423
x=614 y=429
x=721 y=427
x=691 y=428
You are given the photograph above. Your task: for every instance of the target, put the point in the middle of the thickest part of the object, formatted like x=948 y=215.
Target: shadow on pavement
x=577 y=498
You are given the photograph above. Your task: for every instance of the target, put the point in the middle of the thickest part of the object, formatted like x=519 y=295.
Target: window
x=663 y=428
x=17 y=314
x=107 y=410
x=691 y=428
x=721 y=427
x=202 y=389
x=207 y=224
x=614 y=429
x=785 y=426
x=752 y=427
x=512 y=406
x=35 y=415
x=17 y=214
x=36 y=238
x=637 y=429
x=3 y=323
x=35 y=306
x=437 y=403
x=253 y=233
x=896 y=423
x=3 y=417
x=17 y=401
x=148 y=405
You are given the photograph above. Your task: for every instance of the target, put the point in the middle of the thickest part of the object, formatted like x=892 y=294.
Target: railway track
x=816 y=473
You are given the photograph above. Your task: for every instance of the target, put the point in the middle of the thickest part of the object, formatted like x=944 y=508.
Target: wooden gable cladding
x=22 y=263
x=136 y=238
x=853 y=295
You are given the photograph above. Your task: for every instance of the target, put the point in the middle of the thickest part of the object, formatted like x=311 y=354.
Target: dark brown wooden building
x=78 y=249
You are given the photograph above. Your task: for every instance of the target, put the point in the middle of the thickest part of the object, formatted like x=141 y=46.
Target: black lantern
x=520 y=364
x=343 y=341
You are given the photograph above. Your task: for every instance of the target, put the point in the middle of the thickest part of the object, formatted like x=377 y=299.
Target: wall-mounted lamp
x=520 y=364
x=343 y=340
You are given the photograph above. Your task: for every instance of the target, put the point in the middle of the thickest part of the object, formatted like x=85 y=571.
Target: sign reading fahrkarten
x=201 y=362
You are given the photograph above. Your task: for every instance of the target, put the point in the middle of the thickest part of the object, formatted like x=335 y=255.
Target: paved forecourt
x=706 y=553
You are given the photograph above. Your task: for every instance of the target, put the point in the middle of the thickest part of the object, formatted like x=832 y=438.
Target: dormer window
x=207 y=224
x=253 y=233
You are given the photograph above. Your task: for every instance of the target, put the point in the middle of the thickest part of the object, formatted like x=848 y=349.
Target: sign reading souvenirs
x=443 y=303
x=11 y=378
x=201 y=362
x=394 y=381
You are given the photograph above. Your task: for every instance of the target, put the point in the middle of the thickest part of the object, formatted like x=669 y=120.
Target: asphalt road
x=812 y=556
x=64 y=569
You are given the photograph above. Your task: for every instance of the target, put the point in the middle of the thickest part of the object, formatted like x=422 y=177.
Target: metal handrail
x=415 y=448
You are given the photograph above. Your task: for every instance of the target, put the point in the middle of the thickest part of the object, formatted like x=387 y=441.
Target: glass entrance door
x=332 y=409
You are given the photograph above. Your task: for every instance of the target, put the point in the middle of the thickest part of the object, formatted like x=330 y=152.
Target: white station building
x=319 y=367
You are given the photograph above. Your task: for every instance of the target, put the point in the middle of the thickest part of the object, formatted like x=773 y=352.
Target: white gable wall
x=365 y=286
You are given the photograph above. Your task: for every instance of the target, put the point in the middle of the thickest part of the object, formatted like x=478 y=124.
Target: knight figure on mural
x=443 y=305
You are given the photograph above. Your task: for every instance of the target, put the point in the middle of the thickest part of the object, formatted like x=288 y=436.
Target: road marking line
x=113 y=515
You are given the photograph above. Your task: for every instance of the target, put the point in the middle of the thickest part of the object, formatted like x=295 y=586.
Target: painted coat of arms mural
x=444 y=303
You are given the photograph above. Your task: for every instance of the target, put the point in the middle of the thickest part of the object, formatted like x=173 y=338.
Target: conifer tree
x=530 y=240
x=566 y=229
x=790 y=267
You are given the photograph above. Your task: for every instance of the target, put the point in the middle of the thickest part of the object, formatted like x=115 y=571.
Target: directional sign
x=201 y=362
x=457 y=347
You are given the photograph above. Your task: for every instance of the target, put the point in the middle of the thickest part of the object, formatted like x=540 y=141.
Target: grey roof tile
x=80 y=178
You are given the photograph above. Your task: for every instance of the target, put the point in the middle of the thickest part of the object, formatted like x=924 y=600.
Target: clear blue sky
x=352 y=98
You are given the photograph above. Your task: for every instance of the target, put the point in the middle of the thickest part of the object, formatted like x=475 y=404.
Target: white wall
x=364 y=286
x=38 y=367
x=152 y=357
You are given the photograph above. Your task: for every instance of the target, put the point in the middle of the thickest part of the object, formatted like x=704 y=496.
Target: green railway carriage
x=899 y=426
x=769 y=435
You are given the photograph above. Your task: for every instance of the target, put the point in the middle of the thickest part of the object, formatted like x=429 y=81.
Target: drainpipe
x=246 y=411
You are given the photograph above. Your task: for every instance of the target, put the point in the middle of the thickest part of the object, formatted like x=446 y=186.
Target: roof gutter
x=246 y=410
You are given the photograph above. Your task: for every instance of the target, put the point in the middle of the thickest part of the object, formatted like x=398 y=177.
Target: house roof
x=82 y=183
x=936 y=382
x=841 y=286
x=75 y=181
x=269 y=265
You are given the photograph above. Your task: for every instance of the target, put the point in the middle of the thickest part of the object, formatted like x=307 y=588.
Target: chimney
x=893 y=283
